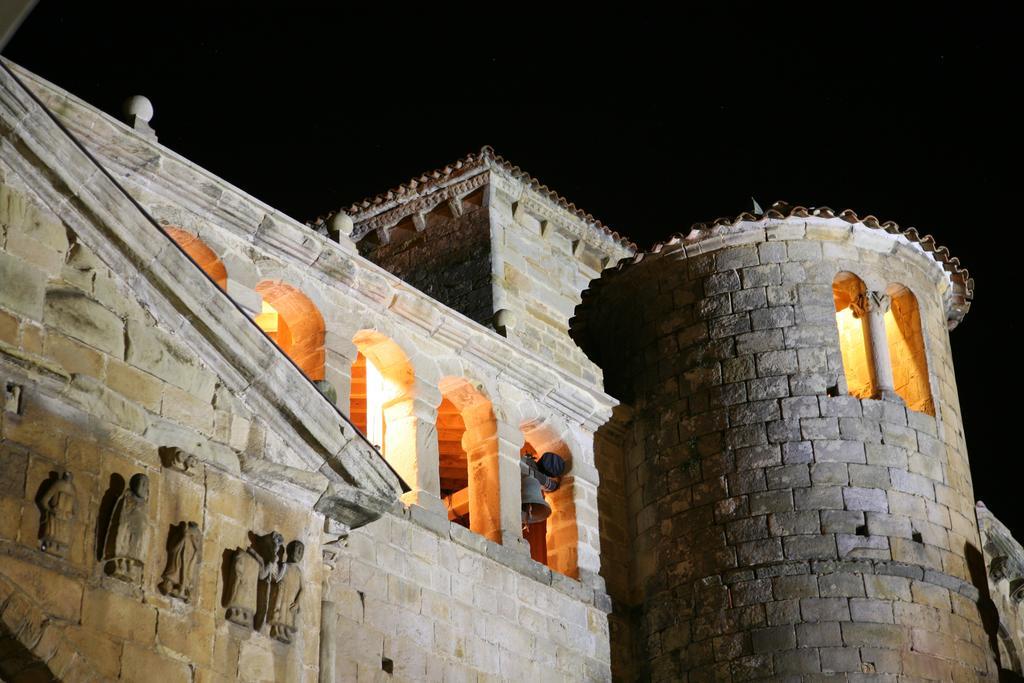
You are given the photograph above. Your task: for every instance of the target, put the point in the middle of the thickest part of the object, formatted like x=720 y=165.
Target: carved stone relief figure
x=259 y=563
x=183 y=557
x=284 y=598
x=177 y=459
x=125 y=541
x=57 y=505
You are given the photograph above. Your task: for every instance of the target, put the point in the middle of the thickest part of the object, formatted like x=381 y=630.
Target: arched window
x=380 y=402
x=850 y=296
x=467 y=439
x=199 y=252
x=559 y=531
x=295 y=324
x=906 y=350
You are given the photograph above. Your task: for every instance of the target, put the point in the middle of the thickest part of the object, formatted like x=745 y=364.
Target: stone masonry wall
x=781 y=532
x=542 y=260
x=449 y=260
x=446 y=604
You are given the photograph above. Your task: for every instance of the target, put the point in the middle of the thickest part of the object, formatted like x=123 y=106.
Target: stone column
x=328 y=640
x=878 y=305
x=510 y=442
x=411 y=448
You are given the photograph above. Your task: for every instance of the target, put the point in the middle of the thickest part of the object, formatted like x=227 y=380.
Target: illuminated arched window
x=199 y=252
x=295 y=324
x=554 y=541
x=467 y=440
x=849 y=294
x=906 y=350
x=381 y=397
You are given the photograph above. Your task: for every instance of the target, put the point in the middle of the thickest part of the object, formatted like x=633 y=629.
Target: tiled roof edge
x=963 y=283
x=486 y=157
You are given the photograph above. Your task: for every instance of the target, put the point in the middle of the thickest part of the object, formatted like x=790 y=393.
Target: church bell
x=535 y=508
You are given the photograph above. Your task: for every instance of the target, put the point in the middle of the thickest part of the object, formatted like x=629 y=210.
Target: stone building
x=239 y=447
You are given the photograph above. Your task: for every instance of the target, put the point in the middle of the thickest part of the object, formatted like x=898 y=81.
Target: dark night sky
x=650 y=122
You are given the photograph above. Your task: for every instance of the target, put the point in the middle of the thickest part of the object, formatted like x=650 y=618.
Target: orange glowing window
x=199 y=252
x=906 y=350
x=849 y=294
x=554 y=541
x=381 y=400
x=467 y=440
x=295 y=324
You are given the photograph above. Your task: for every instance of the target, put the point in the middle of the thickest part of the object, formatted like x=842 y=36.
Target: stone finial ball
x=342 y=223
x=140 y=107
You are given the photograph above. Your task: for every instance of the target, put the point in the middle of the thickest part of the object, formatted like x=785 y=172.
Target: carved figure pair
x=269 y=563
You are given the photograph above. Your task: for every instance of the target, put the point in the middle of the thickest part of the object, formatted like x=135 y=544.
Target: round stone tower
x=797 y=479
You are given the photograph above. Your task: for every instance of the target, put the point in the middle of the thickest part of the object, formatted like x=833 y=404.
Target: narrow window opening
x=453 y=462
x=906 y=350
x=381 y=400
x=387 y=666
x=916 y=537
x=467 y=442
x=555 y=540
x=849 y=295
x=862 y=530
x=294 y=323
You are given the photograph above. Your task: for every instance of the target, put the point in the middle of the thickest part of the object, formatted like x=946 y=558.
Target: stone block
x=800 y=407
x=787 y=477
x=783 y=612
x=768 y=387
x=773 y=638
x=859 y=634
x=749 y=300
x=839 y=659
x=794 y=523
x=824 y=609
x=830 y=473
x=823 y=634
x=810 y=546
x=841 y=585
x=800 y=661
x=931 y=595
x=864 y=499
x=771 y=363
x=718 y=283
x=24 y=287
x=818 y=498
x=795 y=587
x=749 y=529
x=819 y=427
x=76 y=315
x=912 y=483
x=764 y=502
x=839 y=451
x=120 y=616
x=841 y=521
x=796 y=452
x=871 y=610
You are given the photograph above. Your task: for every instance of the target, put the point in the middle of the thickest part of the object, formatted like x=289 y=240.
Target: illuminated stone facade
x=305 y=465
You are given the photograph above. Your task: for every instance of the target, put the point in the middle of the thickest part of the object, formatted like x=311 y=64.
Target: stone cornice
x=137 y=160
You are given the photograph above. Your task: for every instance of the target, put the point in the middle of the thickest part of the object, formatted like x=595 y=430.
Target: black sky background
x=651 y=120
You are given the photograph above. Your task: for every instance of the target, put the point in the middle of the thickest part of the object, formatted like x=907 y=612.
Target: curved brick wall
x=780 y=532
